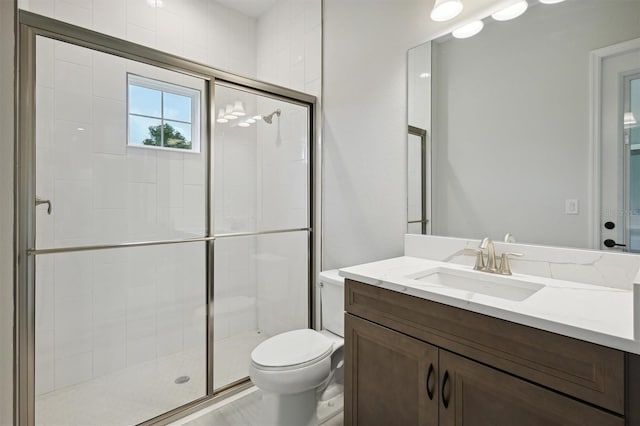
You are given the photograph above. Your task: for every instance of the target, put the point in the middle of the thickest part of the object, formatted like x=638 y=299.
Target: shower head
x=269 y=118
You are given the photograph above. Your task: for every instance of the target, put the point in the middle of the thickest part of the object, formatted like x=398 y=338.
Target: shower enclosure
x=165 y=219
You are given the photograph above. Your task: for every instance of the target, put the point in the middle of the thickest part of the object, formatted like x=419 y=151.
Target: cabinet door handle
x=445 y=383
x=430 y=384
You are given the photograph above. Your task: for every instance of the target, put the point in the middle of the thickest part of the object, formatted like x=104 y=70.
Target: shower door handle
x=47 y=202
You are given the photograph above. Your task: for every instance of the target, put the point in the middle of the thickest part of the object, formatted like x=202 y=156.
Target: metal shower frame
x=32 y=25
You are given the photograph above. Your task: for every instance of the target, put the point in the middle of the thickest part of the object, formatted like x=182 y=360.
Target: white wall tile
x=109 y=17
x=73 y=89
x=73 y=276
x=71 y=53
x=109 y=353
x=73 y=326
x=73 y=12
x=73 y=369
x=111 y=227
x=73 y=210
x=170 y=179
x=109 y=77
x=44 y=362
x=142 y=203
x=110 y=183
x=44 y=62
x=45 y=293
x=44 y=112
x=142 y=165
x=170 y=37
x=313 y=45
x=194 y=169
x=141 y=35
x=109 y=294
x=194 y=208
x=110 y=127
x=42 y=7
x=141 y=14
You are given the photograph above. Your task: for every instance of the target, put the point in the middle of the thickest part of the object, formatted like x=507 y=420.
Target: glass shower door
x=261 y=222
x=120 y=285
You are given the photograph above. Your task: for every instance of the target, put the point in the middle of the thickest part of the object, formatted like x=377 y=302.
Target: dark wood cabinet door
x=391 y=379
x=472 y=394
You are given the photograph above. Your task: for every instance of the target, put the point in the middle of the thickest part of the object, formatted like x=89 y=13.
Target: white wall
x=364 y=131
x=7 y=13
x=511 y=123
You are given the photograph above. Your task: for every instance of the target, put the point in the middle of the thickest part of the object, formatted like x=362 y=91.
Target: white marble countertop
x=597 y=314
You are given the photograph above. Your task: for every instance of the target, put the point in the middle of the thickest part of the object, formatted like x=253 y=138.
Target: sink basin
x=500 y=286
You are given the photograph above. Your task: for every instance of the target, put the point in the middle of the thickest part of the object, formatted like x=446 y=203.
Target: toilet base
x=298 y=409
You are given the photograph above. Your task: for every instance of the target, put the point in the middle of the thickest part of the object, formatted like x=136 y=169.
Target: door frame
x=31 y=25
x=596 y=60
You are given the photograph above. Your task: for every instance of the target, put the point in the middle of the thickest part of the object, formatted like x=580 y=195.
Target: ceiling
x=252 y=8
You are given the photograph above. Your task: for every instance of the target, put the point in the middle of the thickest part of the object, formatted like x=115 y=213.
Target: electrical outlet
x=571 y=206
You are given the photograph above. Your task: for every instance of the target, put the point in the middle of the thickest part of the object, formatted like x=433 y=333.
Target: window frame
x=172 y=88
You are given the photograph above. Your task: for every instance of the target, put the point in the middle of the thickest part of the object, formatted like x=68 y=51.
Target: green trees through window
x=172 y=137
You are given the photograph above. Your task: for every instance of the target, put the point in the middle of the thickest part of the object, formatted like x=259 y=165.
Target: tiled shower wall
x=283 y=46
x=100 y=311
x=289 y=44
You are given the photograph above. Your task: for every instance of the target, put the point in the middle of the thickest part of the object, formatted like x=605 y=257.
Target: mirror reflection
x=530 y=128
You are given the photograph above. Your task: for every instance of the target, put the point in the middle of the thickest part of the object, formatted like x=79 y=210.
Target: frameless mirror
x=530 y=127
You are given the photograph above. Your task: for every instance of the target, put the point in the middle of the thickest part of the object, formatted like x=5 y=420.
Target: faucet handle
x=479 y=266
x=505 y=267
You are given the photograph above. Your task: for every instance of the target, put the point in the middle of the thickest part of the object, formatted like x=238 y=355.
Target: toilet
x=300 y=369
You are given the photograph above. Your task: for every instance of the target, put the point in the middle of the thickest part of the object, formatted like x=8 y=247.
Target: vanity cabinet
x=410 y=361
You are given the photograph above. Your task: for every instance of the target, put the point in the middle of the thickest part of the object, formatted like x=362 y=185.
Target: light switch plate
x=571 y=206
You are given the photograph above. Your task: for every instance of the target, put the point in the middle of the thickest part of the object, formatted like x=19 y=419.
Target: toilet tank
x=332 y=301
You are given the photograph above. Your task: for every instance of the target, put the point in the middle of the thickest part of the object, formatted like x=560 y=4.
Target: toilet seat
x=292 y=350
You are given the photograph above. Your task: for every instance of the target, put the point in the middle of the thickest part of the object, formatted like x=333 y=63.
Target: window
x=163 y=115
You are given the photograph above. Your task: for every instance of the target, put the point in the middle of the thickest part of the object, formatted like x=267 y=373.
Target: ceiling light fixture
x=251 y=120
x=629 y=120
x=244 y=124
x=444 y=10
x=468 y=30
x=551 y=1
x=424 y=75
x=228 y=113
x=238 y=109
x=221 y=118
x=511 y=12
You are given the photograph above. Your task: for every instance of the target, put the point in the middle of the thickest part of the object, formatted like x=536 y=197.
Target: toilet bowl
x=296 y=369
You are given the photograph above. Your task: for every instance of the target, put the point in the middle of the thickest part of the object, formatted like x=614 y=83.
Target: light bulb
x=444 y=10
x=221 y=118
x=244 y=124
x=228 y=113
x=251 y=120
x=511 y=12
x=468 y=30
x=238 y=109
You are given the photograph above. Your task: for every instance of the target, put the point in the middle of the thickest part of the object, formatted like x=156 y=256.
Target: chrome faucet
x=491 y=265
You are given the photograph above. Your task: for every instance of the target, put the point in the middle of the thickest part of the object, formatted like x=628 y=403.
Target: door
x=472 y=394
x=620 y=153
x=262 y=178
x=391 y=378
x=120 y=245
